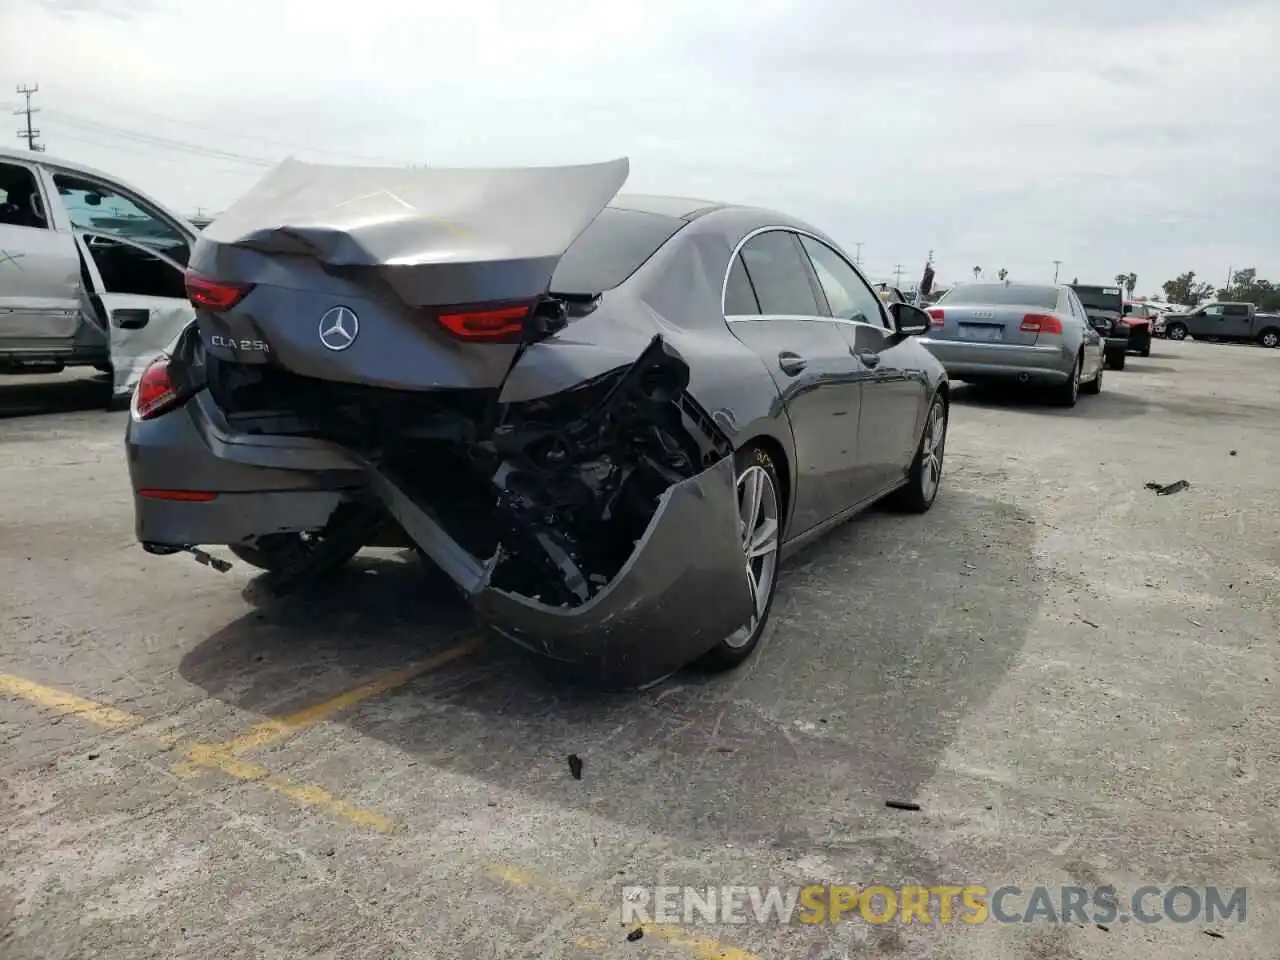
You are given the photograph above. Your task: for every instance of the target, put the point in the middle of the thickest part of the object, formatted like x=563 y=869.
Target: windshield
x=1100 y=298
x=1000 y=294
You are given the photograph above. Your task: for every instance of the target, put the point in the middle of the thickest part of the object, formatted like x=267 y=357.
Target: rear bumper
x=682 y=590
x=1001 y=360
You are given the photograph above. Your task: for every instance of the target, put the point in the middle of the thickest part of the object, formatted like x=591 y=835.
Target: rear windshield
x=1100 y=298
x=998 y=294
x=614 y=247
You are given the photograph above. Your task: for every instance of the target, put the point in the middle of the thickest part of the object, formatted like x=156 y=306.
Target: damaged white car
x=91 y=271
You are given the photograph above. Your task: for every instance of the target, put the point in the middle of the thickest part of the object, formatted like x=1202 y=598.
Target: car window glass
x=98 y=208
x=779 y=275
x=739 y=298
x=613 y=247
x=20 y=201
x=1213 y=311
x=1235 y=310
x=1002 y=294
x=850 y=298
x=134 y=270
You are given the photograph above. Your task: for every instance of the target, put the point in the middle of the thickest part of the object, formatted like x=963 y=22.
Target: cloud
x=1115 y=136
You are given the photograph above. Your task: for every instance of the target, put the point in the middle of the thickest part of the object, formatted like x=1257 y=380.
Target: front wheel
x=1269 y=338
x=925 y=475
x=1066 y=394
x=760 y=524
x=1116 y=360
x=1176 y=331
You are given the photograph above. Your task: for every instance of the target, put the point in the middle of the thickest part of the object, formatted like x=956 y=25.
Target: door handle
x=791 y=363
x=869 y=357
x=130 y=318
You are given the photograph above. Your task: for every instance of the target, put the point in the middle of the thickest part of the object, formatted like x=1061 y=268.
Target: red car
x=1141 y=320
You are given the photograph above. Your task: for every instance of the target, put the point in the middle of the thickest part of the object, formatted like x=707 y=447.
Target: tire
x=1066 y=394
x=1269 y=338
x=103 y=368
x=1144 y=352
x=1176 y=331
x=924 y=478
x=278 y=552
x=754 y=465
x=1116 y=361
x=1094 y=386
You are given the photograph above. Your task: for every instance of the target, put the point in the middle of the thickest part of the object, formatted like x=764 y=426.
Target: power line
x=30 y=133
x=167 y=143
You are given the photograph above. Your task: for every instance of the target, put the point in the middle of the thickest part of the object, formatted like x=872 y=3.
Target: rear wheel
x=1269 y=338
x=1066 y=394
x=760 y=523
x=281 y=552
x=1176 y=331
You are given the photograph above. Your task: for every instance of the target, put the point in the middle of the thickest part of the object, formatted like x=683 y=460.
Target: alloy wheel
x=931 y=451
x=759 y=528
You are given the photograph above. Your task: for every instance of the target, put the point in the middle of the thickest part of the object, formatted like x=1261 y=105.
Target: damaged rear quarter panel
x=682 y=591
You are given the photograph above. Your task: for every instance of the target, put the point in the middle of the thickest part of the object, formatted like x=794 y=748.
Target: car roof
x=681 y=208
x=31 y=156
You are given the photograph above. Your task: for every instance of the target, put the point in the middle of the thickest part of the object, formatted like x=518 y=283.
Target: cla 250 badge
x=230 y=343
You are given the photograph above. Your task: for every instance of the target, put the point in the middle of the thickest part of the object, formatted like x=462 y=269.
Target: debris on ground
x=1233 y=453
x=1163 y=490
x=575 y=766
x=635 y=935
x=1103 y=927
x=1214 y=933
x=901 y=805
x=1089 y=623
x=1195 y=621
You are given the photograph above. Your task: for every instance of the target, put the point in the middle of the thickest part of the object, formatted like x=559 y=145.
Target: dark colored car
x=1106 y=311
x=605 y=418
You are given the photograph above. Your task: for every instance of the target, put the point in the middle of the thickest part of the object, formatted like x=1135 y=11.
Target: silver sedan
x=1028 y=333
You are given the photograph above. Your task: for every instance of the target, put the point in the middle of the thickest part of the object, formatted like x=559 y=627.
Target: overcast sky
x=1113 y=135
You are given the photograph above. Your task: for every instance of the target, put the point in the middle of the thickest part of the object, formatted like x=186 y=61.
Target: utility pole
x=1056 y=265
x=30 y=133
x=897 y=276
x=857 y=254
x=1229 y=279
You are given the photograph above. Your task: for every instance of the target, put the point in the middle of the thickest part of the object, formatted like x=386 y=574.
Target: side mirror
x=908 y=320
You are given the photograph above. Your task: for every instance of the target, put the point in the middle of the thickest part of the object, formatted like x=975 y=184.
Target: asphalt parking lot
x=1075 y=679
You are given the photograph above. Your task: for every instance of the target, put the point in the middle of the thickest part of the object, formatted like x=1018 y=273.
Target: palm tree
x=1121 y=278
x=1003 y=274
x=977 y=271
x=1130 y=282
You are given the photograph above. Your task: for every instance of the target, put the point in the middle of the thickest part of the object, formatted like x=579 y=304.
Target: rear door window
x=21 y=204
x=780 y=275
x=739 y=297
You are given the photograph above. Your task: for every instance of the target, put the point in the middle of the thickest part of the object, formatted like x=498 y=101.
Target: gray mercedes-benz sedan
x=1029 y=333
x=605 y=418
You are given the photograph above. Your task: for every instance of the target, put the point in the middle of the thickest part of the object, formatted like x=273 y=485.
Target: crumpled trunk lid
x=354 y=273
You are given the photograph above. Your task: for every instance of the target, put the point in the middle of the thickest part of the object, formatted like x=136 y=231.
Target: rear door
x=1236 y=321
x=772 y=306
x=135 y=256
x=893 y=393
x=39 y=266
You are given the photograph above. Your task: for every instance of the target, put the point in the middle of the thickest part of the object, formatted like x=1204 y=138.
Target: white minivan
x=91 y=271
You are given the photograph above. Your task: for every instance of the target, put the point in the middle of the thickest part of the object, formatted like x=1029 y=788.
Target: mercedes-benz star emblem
x=339 y=328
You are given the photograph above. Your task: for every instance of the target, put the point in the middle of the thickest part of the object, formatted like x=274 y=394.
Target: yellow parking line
x=67 y=704
x=273 y=731
x=700 y=947
x=197 y=754
x=224 y=756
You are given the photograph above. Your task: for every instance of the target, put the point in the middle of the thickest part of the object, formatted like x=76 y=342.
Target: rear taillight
x=1040 y=323
x=155 y=393
x=213 y=294
x=938 y=314
x=489 y=324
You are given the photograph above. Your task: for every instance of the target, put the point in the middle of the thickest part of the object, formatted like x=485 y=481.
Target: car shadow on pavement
x=885 y=636
x=1108 y=405
x=1141 y=366
x=31 y=394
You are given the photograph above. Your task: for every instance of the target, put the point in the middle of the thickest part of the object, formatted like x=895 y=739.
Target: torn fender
x=683 y=590
x=436 y=235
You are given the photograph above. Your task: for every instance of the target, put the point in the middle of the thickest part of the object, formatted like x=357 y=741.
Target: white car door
x=135 y=254
x=140 y=322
